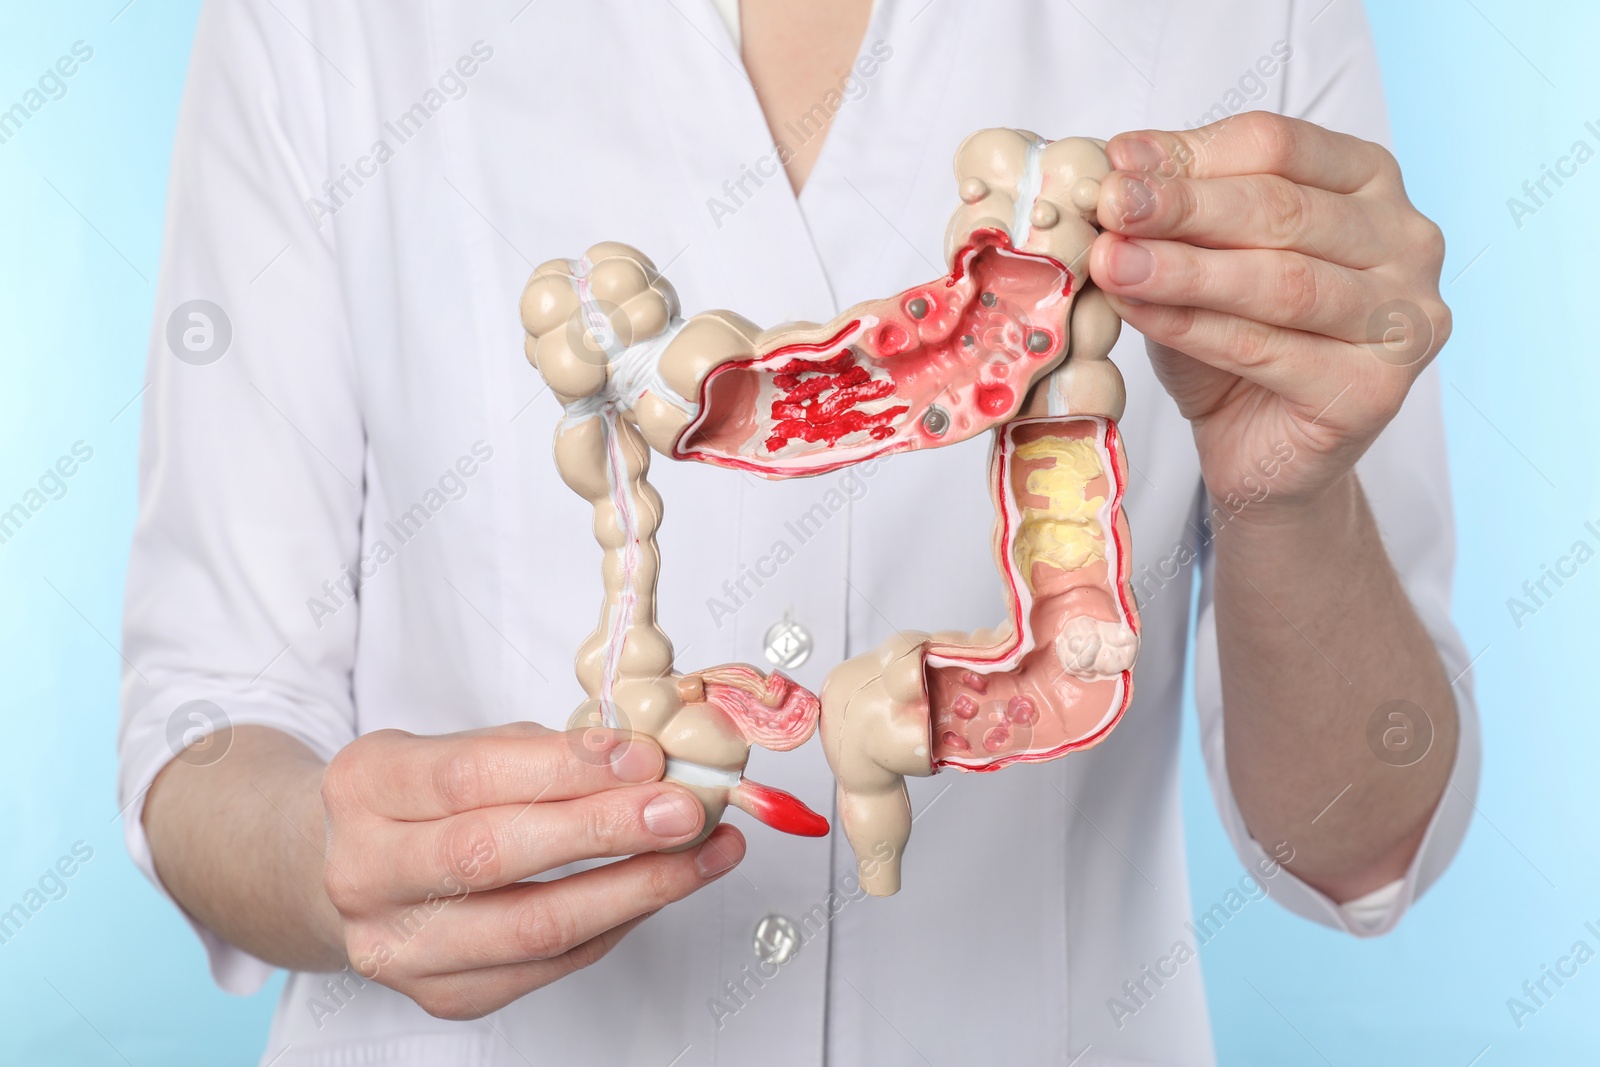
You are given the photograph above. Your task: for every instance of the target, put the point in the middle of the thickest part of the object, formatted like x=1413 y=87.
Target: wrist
x=325 y=922
x=1281 y=516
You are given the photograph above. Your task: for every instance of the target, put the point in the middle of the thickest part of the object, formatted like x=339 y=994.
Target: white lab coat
x=376 y=358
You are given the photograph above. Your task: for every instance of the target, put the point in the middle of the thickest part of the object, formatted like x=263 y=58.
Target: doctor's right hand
x=430 y=840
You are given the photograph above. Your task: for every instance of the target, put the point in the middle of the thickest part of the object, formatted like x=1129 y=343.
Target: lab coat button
x=788 y=644
x=777 y=939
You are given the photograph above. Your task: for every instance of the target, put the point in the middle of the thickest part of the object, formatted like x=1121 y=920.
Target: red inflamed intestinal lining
x=820 y=401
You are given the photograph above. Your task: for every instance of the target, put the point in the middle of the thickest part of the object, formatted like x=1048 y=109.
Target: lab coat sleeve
x=1332 y=78
x=251 y=460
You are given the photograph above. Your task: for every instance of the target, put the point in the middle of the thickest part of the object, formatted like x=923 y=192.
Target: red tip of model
x=779 y=810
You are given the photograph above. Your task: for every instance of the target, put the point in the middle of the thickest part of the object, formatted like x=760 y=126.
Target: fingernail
x=1137 y=154
x=636 y=761
x=672 y=814
x=1136 y=198
x=713 y=858
x=1131 y=263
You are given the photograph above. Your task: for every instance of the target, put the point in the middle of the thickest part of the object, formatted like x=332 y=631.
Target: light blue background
x=1482 y=93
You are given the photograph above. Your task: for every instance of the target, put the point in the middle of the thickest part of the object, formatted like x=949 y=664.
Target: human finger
x=1274 y=287
x=1258 y=142
x=474 y=994
x=404 y=776
x=535 y=921
x=1250 y=211
x=1306 y=370
x=487 y=848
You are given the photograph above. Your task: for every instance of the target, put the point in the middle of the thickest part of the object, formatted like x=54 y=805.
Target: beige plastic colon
x=580 y=316
x=606 y=333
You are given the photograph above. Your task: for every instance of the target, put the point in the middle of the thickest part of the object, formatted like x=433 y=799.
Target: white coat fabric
x=363 y=187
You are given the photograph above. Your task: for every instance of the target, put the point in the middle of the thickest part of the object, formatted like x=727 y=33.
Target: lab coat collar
x=881 y=146
x=744 y=230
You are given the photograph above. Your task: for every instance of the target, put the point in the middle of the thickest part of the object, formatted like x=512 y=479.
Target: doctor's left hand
x=1287 y=290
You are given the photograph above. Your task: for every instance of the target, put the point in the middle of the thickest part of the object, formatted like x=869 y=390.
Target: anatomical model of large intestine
x=1011 y=340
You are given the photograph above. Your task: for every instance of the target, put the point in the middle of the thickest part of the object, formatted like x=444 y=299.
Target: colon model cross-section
x=1011 y=342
